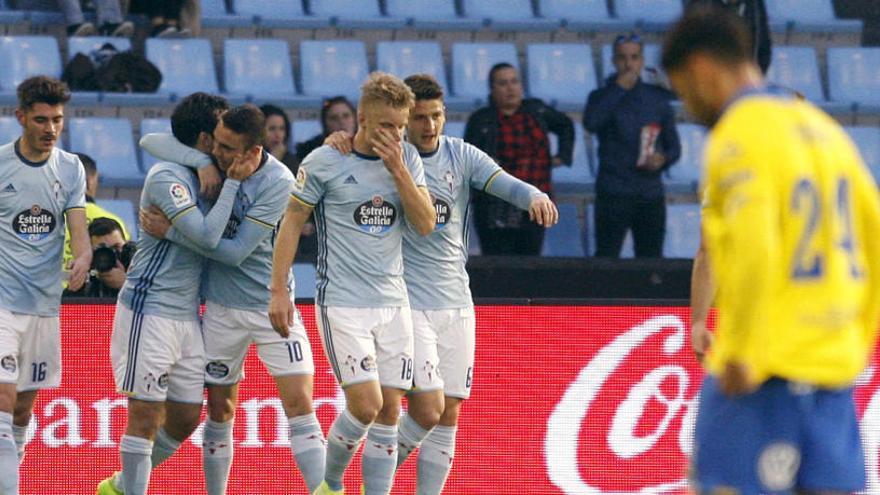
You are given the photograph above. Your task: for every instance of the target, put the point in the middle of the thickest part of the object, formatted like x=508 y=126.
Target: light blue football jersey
x=360 y=221
x=434 y=265
x=164 y=277
x=33 y=200
x=262 y=199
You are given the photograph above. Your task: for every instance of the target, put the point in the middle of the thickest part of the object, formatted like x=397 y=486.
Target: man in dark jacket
x=514 y=131
x=635 y=126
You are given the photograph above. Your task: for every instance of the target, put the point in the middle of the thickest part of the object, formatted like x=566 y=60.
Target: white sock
x=380 y=459
x=217 y=453
x=8 y=456
x=136 y=466
x=309 y=448
x=435 y=460
x=343 y=441
x=163 y=447
x=409 y=437
x=20 y=434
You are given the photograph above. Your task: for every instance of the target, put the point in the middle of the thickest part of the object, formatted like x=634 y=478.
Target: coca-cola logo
x=661 y=395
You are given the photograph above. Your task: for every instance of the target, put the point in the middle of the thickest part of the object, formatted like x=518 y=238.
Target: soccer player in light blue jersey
x=439 y=293
x=156 y=347
x=237 y=292
x=363 y=202
x=40 y=186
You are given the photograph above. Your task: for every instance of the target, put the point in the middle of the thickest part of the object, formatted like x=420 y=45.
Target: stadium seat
x=305 y=279
x=684 y=176
x=108 y=141
x=89 y=44
x=507 y=15
x=795 y=67
x=367 y=15
x=24 y=56
x=404 y=58
x=868 y=141
x=650 y=15
x=279 y=14
x=566 y=237
x=808 y=16
x=651 y=72
x=682 y=230
x=454 y=129
x=471 y=63
x=215 y=14
x=437 y=15
x=331 y=68
x=10 y=130
x=257 y=67
x=854 y=76
x=579 y=177
x=583 y=15
x=149 y=126
x=124 y=209
x=561 y=74
x=303 y=130
x=187 y=65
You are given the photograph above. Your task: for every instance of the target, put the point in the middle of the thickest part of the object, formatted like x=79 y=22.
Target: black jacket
x=482 y=127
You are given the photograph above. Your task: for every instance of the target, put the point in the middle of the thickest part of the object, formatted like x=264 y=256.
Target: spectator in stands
x=164 y=17
x=754 y=12
x=337 y=114
x=635 y=126
x=109 y=19
x=277 y=139
x=514 y=131
x=93 y=210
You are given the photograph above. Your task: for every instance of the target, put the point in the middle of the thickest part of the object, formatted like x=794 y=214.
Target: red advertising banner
x=575 y=400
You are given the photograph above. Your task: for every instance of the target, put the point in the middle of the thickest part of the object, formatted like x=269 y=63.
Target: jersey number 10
x=805 y=201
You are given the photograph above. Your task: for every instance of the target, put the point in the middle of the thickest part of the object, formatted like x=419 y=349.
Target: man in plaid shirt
x=514 y=131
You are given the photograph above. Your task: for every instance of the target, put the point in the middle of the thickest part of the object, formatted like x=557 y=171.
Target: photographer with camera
x=111 y=255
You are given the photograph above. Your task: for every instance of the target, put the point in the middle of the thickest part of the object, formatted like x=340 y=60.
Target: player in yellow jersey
x=790 y=222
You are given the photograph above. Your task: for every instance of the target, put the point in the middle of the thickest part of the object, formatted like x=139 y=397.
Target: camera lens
x=103 y=259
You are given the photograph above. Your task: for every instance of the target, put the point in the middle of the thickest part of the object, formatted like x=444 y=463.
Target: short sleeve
x=309 y=186
x=270 y=204
x=77 y=198
x=171 y=193
x=481 y=167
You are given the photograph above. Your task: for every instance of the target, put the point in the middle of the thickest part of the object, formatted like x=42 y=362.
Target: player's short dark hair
x=494 y=70
x=707 y=29
x=195 y=114
x=42 y=89
x=103 y=226
x=424 y=86
x=269 y=110
x=246 y=120
x=88 y=164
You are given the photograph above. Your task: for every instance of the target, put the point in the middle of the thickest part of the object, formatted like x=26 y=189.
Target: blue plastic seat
x=367 y=15
x=454 y=128
x=331 y=68
x=216 y=15
x=405 y=58
x=124 y=209
x=88 y=44
x=579 y=177
x=303 y=130
x=566 y=237
x=304 y=277
x=650 y=15
x=279 y=14
x=431 y=14
x=561 y=74
x=868 y=140
x=809 y=16
x=682 y=230
x=583 y=15
x=854 y=76
x=187 y=65
x=10 y=130
x=651 y=72
x=507 y=15
x=471 y=63
x=795 y=67
x=257 y=67
x=149 y=126
x=684 y=176
x=108 y=141
x=24 y=56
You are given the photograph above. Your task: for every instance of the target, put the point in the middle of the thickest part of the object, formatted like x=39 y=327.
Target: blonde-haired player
x=360 y=202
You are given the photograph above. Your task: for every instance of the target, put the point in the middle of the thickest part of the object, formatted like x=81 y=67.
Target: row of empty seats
x=562 y=74
x=502 y=15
